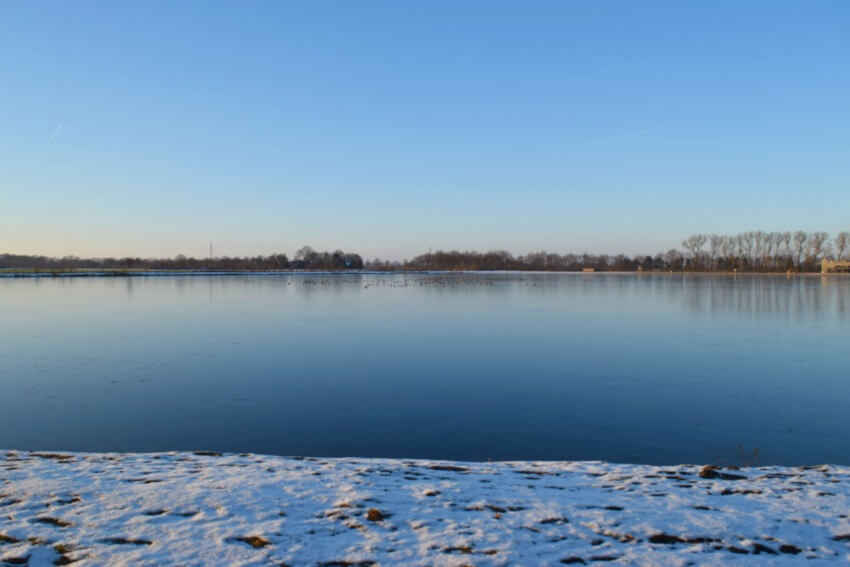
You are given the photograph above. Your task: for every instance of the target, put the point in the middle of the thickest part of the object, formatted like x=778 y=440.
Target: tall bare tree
x=694 y=244
x=785 y=237
x=842 y=240
x=715 y=242
x=772 y=249
x=800 y=238
x=750 y=243
x=817 y=244
x=760 y=238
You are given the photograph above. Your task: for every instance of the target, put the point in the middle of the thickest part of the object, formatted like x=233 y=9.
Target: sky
x=146 y=128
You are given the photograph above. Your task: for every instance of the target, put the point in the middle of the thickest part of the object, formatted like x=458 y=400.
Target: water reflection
x=773 y=297
x=649 y=368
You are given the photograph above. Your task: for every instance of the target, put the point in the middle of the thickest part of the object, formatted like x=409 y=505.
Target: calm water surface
x=653 y=369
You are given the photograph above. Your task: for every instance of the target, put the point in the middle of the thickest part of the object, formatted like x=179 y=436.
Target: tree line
x=305 y=259
x=759 y=251
x=753 y=251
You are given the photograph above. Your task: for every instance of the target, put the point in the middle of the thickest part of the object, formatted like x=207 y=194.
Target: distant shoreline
x=118 y=272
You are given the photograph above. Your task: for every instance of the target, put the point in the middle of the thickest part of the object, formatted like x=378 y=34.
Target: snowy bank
x=210 y=509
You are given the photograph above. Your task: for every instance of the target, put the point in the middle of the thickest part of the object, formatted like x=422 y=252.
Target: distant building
x=834 y=267
x=588 y=270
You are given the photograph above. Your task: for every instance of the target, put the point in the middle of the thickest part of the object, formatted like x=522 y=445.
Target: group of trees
x=503 y=260
x=754 y=251
x=759 y=251
x=306 y=259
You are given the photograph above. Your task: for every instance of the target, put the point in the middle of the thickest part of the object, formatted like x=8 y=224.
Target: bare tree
x=785 y=237
x=740 y=249
x=305 y=253
x=727 y=251
x=694 y=244
x=760 y=238
x=841 y=243
x=749 y=241
x=800 y=238
x=817 y=244
x=771 y=249
x=674 y=259
x=715 y=242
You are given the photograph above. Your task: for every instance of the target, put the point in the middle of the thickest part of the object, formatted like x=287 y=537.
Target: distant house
x=588 y=269
x=835 y=267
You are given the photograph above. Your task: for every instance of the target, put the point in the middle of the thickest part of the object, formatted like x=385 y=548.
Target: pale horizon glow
x=149 y=129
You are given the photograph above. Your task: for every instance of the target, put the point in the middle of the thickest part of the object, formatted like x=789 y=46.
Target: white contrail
x=54 y=134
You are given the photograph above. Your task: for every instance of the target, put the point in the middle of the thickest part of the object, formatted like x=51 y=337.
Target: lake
x=655 y=368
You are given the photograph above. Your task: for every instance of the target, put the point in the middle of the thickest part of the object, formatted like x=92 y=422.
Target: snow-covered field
x=210 y=509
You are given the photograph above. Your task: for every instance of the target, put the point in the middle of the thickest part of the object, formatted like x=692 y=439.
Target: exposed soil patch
x=558 y=520
x=52 y=522
x=709 y=471
x=450 y=468
x=126 y=541
x=63 y=551
x=375 y=515
x=54 y=456
x=253 y=541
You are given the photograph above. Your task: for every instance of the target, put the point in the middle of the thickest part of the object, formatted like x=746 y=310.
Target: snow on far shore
x=211 y=509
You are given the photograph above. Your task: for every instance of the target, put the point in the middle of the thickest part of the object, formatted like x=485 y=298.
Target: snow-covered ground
x=209 y=509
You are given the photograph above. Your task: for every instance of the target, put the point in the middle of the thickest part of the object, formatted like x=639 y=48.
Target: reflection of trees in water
x=210 y=286
x=798 y=297
x=792 y=298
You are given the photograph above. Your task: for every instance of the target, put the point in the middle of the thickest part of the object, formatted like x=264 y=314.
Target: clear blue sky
x=150 y=128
